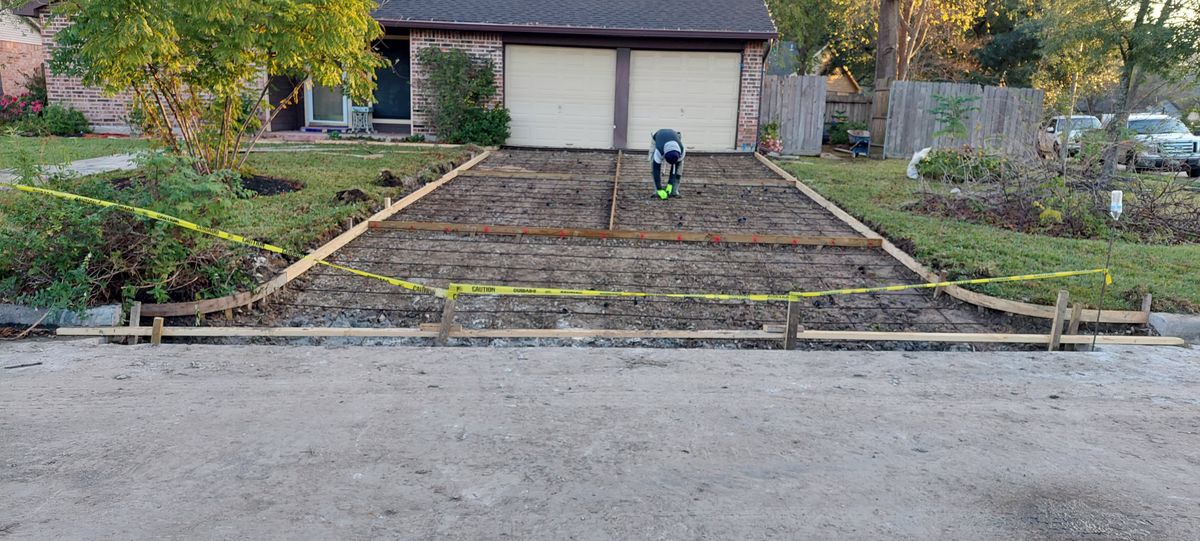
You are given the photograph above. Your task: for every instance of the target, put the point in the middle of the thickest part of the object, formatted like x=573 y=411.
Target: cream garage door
x=560 y=96
x=693 y=92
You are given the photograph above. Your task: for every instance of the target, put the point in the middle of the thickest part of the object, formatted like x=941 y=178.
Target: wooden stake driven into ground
x=612 y=214
x=677 y=236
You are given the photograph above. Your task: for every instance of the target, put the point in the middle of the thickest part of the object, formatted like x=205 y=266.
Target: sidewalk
x=90 y=166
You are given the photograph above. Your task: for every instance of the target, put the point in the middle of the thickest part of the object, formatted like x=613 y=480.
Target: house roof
x=732 y=19
x=30 y=9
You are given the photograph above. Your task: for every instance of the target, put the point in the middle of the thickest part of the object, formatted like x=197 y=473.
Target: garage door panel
x=560 y=96
x=695 y=93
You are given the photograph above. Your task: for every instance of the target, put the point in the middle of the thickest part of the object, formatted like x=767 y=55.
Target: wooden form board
x=529 y=175
x=962 y=294
x=676 y=236
x=455 y=332
x=300 y=267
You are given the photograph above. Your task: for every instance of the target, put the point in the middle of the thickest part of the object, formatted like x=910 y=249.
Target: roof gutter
x=578 y=30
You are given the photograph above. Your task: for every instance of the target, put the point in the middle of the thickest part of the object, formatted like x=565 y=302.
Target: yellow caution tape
x=479 y=289
x=146 y=213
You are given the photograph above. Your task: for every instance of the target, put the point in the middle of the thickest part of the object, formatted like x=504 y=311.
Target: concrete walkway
x=217 y=442
x=90 y=166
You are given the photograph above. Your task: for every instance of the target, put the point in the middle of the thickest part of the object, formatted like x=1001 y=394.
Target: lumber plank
x=520 y=175
x=678 y=236
x=854 y=336
x=298 y=268
x=960 y=293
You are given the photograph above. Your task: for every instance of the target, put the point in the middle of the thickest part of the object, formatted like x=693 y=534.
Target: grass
x=876 y=192
x=57 y=150
x=296 y=220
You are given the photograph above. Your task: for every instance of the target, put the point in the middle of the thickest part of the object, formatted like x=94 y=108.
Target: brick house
x=573 y=73
x=20 y=52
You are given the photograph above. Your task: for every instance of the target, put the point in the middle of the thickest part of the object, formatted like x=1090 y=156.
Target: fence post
x=879 y=117
x=157 y=332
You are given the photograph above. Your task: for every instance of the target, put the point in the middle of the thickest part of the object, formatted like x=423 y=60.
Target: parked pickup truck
x=1163 y=143
x=1050 y=139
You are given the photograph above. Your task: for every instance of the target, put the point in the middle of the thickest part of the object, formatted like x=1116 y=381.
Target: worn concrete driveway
x=224 y=442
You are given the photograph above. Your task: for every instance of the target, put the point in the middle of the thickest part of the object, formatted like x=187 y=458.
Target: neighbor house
x=20 y=52
x=574 y=73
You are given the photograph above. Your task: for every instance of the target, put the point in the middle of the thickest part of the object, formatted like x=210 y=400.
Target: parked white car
x=1164 y=143
x=1050 y=139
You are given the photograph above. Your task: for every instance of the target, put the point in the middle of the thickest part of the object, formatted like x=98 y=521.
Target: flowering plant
x=18 y=107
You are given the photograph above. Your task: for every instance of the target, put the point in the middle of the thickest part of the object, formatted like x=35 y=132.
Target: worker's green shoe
x=662 y=194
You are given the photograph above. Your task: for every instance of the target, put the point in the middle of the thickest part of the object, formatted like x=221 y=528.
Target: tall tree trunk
x=886 y=58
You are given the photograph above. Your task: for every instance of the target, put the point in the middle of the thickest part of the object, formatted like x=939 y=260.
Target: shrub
x=960 y=165
x=839 y=132
x=15 y=108
x=64 y=121
x=462 y=89
x=484 y=126
x=768 y=138
x=58 y=253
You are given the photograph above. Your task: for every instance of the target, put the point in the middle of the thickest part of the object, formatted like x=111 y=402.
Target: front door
x=326 y=106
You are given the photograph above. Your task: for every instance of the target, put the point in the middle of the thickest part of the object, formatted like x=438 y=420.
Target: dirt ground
x=205 y=442
x=541 y=188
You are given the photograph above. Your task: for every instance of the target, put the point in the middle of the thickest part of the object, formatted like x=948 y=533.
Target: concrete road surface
x=225 y=442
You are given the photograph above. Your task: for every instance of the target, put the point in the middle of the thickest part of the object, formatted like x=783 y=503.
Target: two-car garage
x=605 y=98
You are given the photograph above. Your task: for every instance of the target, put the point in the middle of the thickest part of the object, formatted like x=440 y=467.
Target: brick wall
x=752 y=78
x=477 y=44
x=17 y=62
x=107 y=114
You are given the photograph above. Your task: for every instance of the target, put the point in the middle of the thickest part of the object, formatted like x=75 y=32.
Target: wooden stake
x=612 y=214
x=135 y=320
x=1076 y=318
x=1056 y=325
x=157 y=332
x=937 y=291
x=1146 y=301
x=793 y=322
x=229 y=314
x=387 y=202
x=443 y=337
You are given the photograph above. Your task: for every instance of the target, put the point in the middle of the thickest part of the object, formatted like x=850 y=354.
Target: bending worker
x=667 y=145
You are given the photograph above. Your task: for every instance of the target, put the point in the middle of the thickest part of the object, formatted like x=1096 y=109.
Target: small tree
x=951 y=113
x=463 y=89
x=199 y=70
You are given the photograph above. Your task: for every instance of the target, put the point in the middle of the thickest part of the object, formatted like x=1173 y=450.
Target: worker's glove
x=662 y=194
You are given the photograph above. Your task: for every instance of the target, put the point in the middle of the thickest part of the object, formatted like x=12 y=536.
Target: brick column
x=479 y=45
x=751 y=93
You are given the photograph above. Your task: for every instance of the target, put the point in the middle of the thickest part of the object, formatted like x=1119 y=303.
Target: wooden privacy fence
x=857 y=107
x=1005 y=119
x=797 y=103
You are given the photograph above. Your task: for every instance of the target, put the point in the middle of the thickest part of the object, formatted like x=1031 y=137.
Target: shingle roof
x=29 y=9
x=710 y=18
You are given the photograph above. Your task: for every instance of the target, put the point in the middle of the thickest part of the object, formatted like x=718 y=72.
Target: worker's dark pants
x=676 y=173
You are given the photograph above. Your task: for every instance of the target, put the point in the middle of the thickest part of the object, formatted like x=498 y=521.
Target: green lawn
x=297 y=219
x=876 y=191
x=56 y=150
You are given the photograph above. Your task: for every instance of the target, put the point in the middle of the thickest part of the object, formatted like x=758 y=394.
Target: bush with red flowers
x=13 y=108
